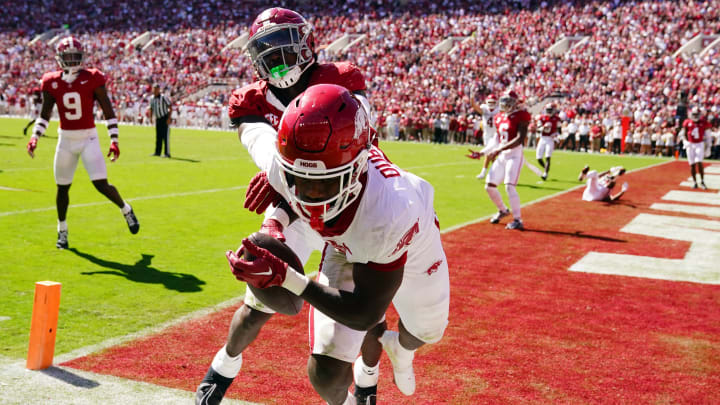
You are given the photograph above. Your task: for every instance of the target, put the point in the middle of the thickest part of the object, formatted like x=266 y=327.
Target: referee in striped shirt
x=161 y=112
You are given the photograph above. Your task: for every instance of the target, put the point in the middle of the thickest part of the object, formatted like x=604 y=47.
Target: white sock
x=126 y=208
x=514 y=200
x=364 y=375
x=483 y=171
x=496 y=198
x=225 y=365
x=62 y=225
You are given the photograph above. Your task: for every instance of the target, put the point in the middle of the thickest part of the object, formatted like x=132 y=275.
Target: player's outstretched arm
x=48 y=102
x=112 y=122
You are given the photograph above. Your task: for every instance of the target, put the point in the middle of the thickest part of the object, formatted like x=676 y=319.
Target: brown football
x=277 y=298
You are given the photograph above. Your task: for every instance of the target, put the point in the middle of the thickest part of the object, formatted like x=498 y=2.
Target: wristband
x=40 y=127
x=281 y=216
x=295 y=282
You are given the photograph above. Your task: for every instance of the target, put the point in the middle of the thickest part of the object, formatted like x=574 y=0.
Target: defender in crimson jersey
x=693 y=136
x=512 y=125
x=75 y=90
x=382 y=242
x=281 y=47
x=549 y=126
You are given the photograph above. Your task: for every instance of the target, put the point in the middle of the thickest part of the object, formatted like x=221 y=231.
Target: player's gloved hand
x=31 y=147
x=474 y=154
x=274 y=228
x=114 y=150
x=625 y=187
x=267 y=270
x=260 y=194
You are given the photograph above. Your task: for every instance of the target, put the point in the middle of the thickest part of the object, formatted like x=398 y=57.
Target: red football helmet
x=491 y=101
x=69 y=54
x=281 y=46
x=322 y=149
x=508 y=101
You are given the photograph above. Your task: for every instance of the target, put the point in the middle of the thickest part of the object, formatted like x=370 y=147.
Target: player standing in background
x=548 y=124
x=35 y=105
x=282 y=49
x=512 y=125
x=693 y=138
x=382 y=243
x=487 y=111
x=74 y=90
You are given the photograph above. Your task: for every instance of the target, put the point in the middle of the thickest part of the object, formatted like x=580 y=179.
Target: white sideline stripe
x=13 y=189
x=687 y=209
x=135 y=163
x=149 y=197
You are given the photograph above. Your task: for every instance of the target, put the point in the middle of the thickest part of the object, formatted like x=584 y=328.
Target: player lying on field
x=382 y=242
x=599 y=185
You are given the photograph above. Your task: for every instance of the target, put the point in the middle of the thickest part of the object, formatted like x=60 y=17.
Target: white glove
x=625 y=187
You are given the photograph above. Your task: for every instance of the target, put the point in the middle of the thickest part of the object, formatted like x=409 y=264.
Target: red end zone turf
x=522 y=327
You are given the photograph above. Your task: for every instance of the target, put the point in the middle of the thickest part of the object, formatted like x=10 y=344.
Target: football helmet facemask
x=322 y=150
x=508 y=101
x=550 y=109
x=69 y=54
x=694 y=114
x=281 y=46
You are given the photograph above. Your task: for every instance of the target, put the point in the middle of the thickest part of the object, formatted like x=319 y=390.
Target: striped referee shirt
x=160 y=106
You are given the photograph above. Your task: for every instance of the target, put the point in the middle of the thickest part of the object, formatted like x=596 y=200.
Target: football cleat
x=515 y=224
x=704 y=187
x=403 y=374
x=498 y=216
x=212 y=388
x=62 y=241
x=544 y=176
x=365 y=395
x=132 y=222
x=695 y=185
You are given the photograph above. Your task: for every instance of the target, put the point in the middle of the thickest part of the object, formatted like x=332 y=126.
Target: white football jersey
x=488 y=119
x=394 y=218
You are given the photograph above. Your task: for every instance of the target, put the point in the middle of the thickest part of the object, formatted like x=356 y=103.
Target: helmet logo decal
x=360 y=122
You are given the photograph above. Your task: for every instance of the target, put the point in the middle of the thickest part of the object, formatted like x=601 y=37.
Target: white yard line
x=149 y=197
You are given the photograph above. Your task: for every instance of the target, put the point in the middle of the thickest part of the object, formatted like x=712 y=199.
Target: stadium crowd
x=625 y=65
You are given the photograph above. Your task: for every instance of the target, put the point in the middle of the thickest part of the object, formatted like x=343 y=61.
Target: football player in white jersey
x=382 y=242
x=282 y=50
x=599 y=185
x=487 y=111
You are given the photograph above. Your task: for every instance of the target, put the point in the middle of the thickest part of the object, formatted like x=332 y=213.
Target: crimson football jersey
x=255 y=99
x=75 y=100
x=548 y=124
x=507 y=124
x=695 y=131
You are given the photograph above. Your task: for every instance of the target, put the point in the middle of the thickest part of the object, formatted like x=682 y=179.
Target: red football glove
x=274 y=228
x=260 y=194
x=267 y=270
x=474 y=154
x=31 y=147
x=114 y=151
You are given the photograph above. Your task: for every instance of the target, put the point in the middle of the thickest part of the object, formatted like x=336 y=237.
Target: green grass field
x=190 y=210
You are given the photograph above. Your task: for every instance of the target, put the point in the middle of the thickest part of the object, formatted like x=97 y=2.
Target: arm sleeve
x=259 y=139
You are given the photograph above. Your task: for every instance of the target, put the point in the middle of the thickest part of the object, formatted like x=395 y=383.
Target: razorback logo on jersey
x=433 y=268
x=272 y=119
x=406 y=239
x=340 y=248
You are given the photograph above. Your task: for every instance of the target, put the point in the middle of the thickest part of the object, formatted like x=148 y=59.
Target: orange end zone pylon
x=44 y=325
